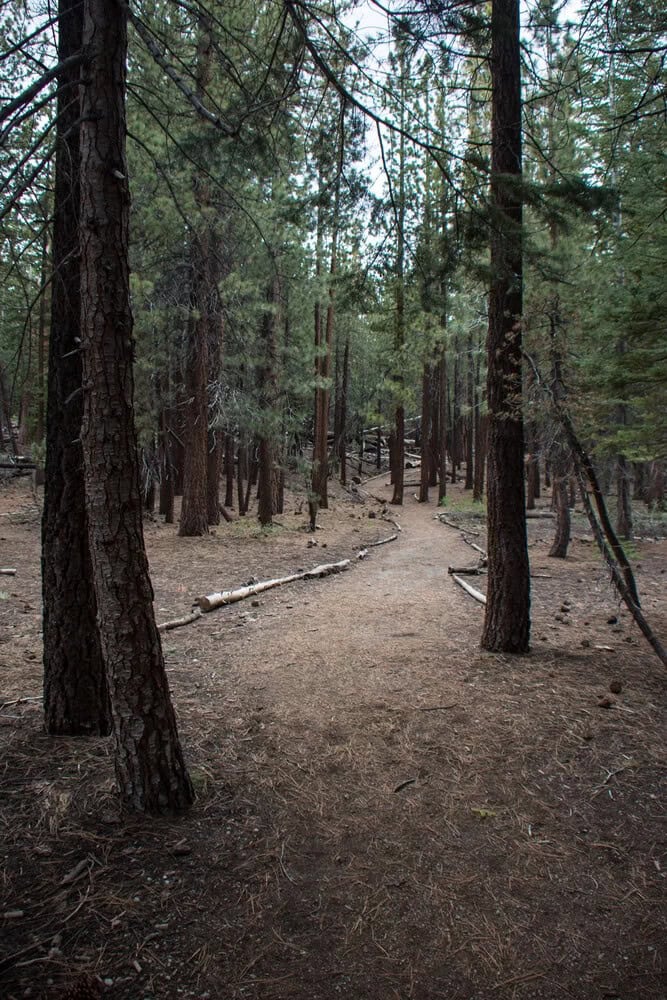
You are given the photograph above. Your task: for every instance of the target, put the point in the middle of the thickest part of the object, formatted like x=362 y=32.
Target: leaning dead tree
x=612 y=551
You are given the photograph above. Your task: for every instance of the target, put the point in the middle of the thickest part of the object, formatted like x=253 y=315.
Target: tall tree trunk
x=268 y=379
x=342 y=439
x=229 y=470
x=76 y=699
x=202 y=462
x=507 y=618
x=442 y=424
x=561 y=540
x=470 y=419
x=43 y=327
x=150 y=768
x=6 y=409
x=213 y=472
x=425 y=444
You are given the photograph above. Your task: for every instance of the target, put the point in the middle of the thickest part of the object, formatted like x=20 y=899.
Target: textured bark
x=201 y=473
x=76 y=700
x=507 y=618
x=150 y=769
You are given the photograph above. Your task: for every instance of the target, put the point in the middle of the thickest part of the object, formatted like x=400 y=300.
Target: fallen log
x=466 y=570
x=477 y=594
x=532 y=515
x=209 y=602
x=7 y=572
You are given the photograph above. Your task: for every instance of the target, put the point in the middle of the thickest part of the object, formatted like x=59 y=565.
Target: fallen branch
x=535 y=514
x=477 y=548
x=466 y=570
x=20 y=701
x=457 y=527
x=394 y=524
x=477 y=594
x=178 y=622
x=7 y=572
x=383 y=541
x=211 y=601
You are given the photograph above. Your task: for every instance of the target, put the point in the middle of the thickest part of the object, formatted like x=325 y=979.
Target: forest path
x=361 y=635
x=384 y=811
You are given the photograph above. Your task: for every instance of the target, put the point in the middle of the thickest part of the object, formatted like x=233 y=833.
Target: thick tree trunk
x=150 y=769
x=507 y=618
x=76 y=699
x=202 y=467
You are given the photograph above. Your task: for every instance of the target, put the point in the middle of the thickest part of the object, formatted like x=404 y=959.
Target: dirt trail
x=384 y=811
x=348 y=640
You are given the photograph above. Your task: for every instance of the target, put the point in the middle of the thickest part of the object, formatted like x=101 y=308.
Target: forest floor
x=384 y=811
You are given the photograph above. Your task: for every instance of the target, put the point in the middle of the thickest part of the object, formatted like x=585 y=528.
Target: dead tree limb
x=617 y=577
x=477 y=594
x=179 y=622
x=585 y=471
x=211 y=601
x=382 y=541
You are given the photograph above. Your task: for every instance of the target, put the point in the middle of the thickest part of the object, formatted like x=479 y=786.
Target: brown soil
x=383 y=811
